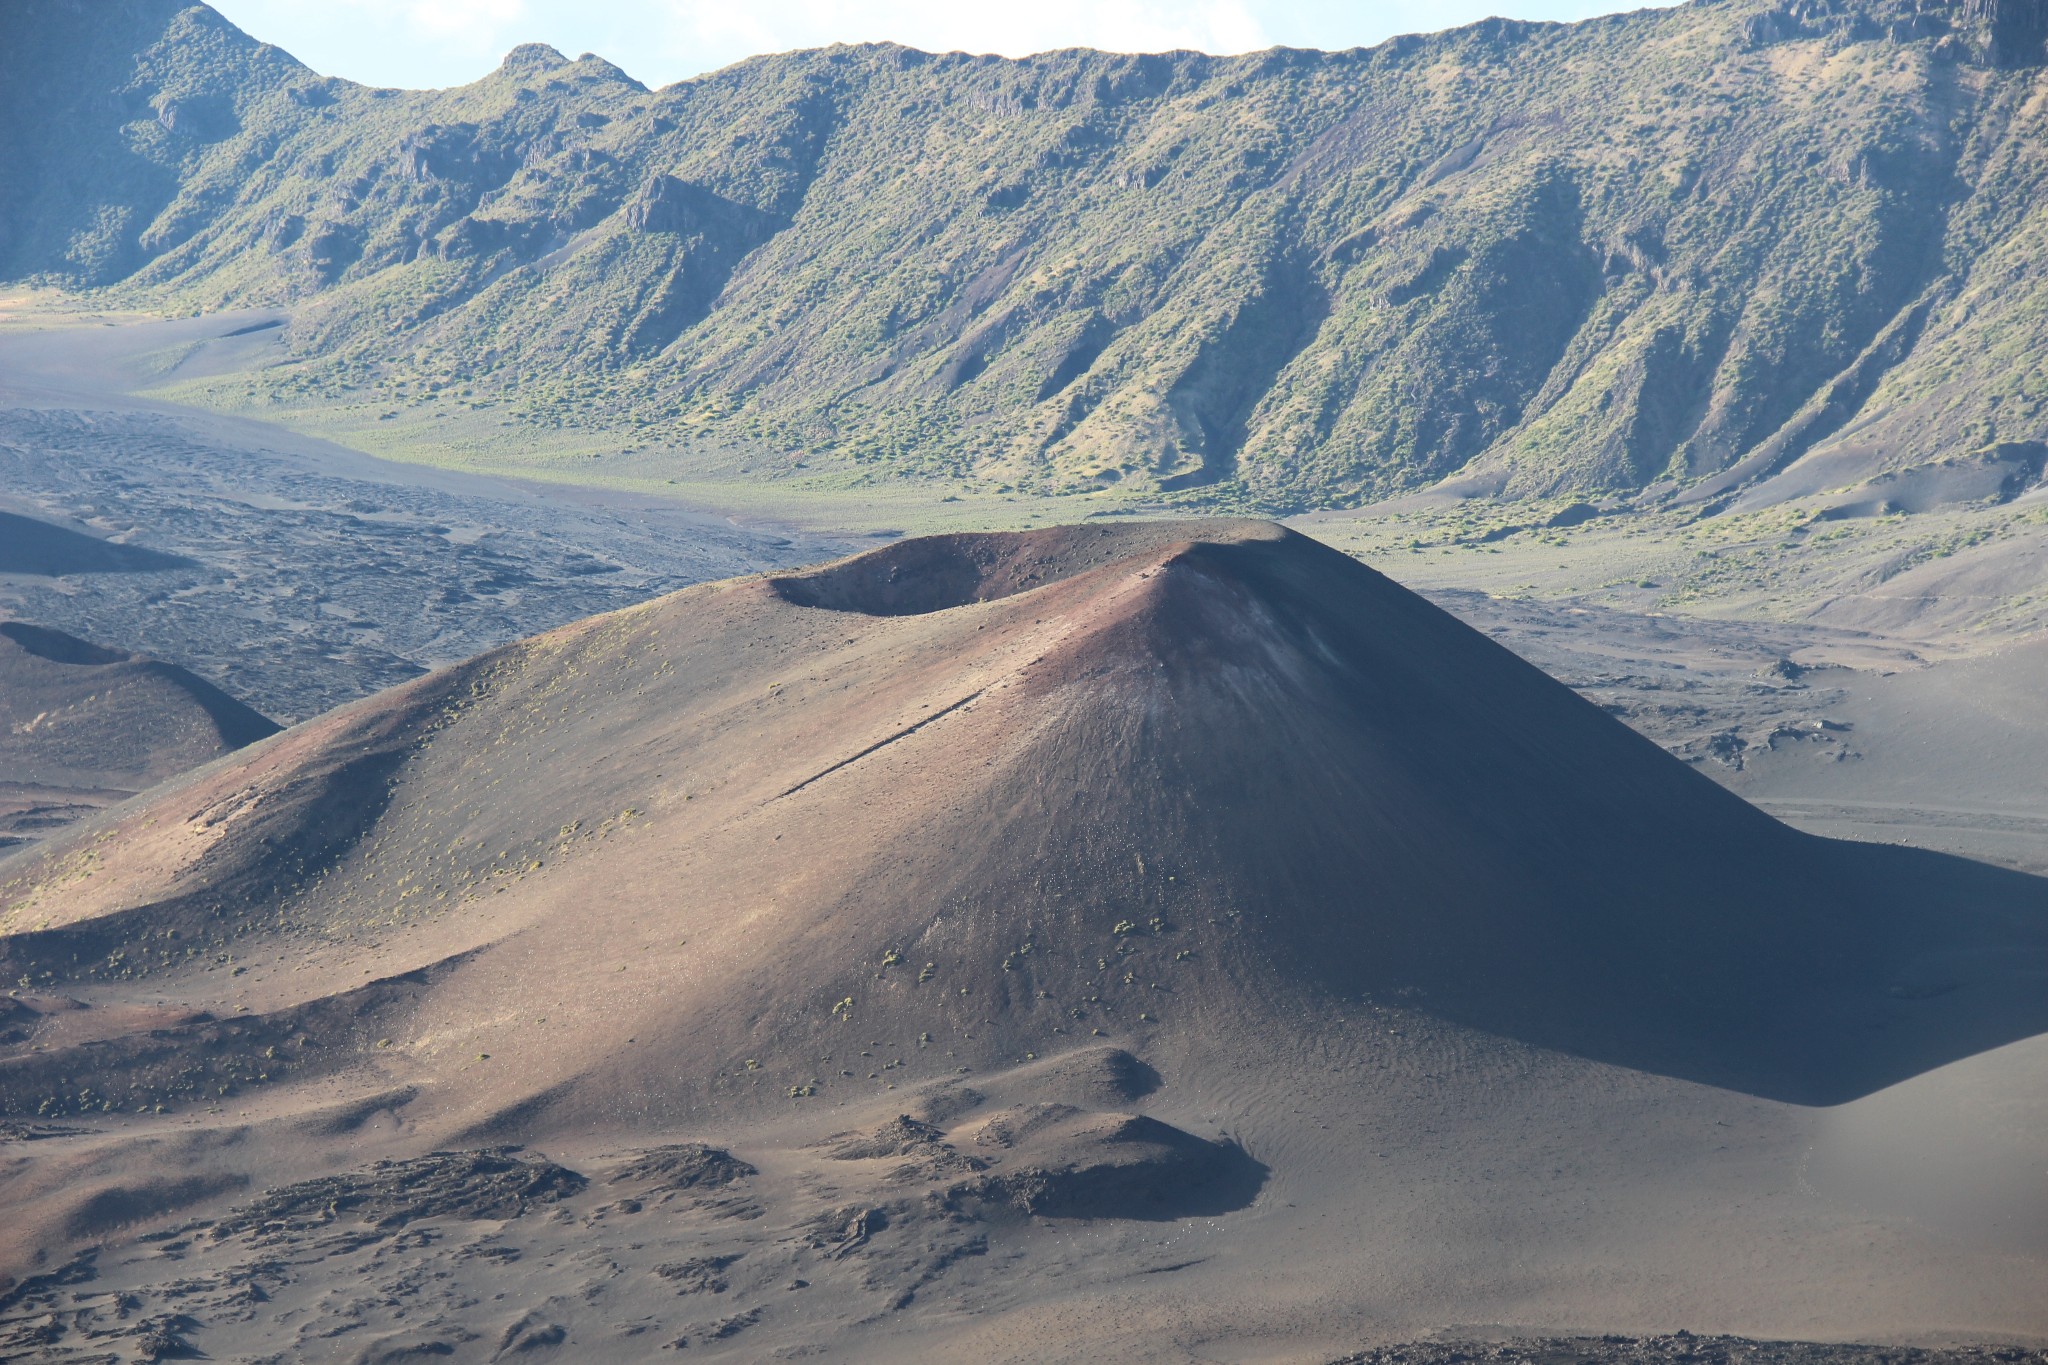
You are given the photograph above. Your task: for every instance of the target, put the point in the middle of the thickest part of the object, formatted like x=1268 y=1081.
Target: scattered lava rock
x=683 y=1166
x=497 y=1182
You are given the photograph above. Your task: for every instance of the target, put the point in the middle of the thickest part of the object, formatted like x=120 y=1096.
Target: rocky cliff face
x=2016 y=30
x=1675 y=250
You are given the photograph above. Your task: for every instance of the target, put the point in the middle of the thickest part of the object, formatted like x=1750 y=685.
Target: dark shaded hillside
x=81 y=714
x=82 y=726
x=101 y=112
x=32 y=546
x=1680 y=249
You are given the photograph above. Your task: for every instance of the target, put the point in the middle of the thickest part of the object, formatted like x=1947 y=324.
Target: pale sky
x=421 y=43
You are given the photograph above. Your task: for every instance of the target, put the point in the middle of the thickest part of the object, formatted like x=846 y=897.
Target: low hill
x=1091 y=873
x=82 y=725
x=1692 y=249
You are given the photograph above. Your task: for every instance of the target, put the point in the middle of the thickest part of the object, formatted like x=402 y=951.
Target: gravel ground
x=304 y=588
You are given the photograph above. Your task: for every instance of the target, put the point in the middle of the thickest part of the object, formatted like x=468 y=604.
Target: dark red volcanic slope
x=972 y=800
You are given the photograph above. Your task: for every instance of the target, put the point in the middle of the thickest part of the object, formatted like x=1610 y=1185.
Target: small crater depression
x=915 y=577
x=939 y=573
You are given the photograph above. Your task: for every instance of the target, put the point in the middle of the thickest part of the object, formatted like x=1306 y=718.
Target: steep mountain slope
x=1681 y=248
x=754 y=856
x=81 y=725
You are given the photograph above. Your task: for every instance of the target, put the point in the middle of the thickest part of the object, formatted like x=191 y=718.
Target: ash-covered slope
x=1687 y=247
x=73 y=712
x=81 y=725
x=988 y=833
x=1000 y=793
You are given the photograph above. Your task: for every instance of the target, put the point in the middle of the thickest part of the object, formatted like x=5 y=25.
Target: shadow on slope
x=28 y=546
x=1248 y=731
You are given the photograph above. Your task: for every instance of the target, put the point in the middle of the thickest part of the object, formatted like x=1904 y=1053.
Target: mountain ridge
x=1678 y=250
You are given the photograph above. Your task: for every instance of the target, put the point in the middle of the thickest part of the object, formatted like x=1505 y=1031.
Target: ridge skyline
x=448 y=45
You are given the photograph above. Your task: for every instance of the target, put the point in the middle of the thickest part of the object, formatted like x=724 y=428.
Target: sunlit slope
x=1684 y=248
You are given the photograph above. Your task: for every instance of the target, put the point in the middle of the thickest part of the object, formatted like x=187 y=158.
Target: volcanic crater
x=976 y=898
